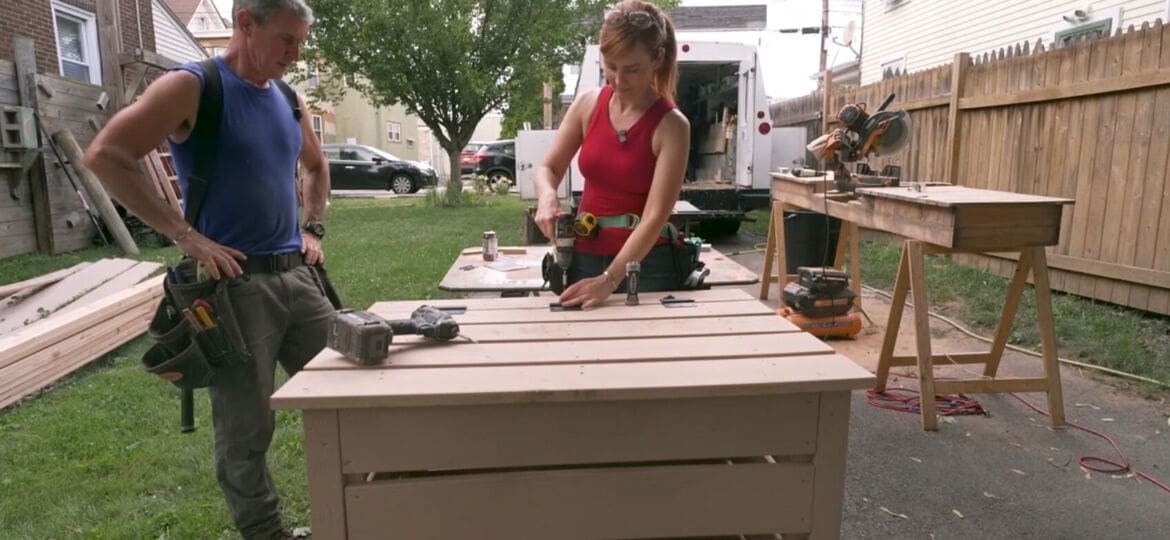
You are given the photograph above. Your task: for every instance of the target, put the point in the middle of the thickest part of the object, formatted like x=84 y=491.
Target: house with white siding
x=172 y=39
x=913 y=35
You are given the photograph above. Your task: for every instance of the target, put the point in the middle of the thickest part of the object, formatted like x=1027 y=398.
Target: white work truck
x=721 y=93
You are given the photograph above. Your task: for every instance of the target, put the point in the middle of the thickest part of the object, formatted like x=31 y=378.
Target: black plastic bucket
x=805 y=236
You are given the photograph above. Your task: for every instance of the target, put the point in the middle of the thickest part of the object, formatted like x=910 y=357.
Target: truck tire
x=715 y=228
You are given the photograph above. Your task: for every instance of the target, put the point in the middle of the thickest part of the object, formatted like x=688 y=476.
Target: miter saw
x=863 y=135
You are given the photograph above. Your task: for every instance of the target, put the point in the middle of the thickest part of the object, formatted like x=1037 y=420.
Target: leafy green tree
x=450 y=62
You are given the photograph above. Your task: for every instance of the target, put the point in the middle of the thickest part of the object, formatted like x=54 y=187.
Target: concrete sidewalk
x=1006 y=475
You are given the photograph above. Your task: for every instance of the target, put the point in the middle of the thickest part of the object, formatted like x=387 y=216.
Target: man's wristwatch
x=315 y=228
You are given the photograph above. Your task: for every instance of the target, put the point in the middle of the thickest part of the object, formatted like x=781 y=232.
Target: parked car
x=497 y=161
x=467 y=157
x=354 y=166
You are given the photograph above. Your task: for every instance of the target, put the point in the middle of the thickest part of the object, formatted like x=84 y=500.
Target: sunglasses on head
x=638 y=19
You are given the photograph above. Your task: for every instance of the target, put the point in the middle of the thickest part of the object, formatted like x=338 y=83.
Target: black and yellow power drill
x=555 y=266
x=365 y=338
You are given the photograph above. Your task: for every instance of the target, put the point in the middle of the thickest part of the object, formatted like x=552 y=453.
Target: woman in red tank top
x=633 y=146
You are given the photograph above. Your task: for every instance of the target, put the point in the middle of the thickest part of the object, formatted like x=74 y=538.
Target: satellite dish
x=847 y=34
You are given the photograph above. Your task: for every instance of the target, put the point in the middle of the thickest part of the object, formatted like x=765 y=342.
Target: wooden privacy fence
x=1089 y=121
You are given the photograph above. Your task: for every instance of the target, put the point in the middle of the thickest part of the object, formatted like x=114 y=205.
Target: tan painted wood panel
x=829 y=464
x=628 y=502
x=959 y=196
x=58 y=295
x=468 y=354
x=321 y=389
x=591 y=330
x=614 y=310
x=470 y=273
x=723 y=294
x=547 y=434
x=323 y=462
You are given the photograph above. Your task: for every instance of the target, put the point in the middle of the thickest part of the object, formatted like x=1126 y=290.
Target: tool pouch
x=184 y=354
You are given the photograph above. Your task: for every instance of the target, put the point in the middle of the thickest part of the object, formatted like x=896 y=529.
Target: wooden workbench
x=620 y=422
x=948 y=219
x=470 y=273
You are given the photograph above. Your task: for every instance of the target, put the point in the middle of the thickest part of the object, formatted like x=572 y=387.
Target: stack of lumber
x=56 y=323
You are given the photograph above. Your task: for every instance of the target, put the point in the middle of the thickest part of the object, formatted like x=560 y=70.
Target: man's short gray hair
x=263 y=10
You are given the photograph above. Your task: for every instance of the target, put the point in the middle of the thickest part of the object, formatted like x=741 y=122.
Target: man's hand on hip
x=311 y=248
x=219 y=260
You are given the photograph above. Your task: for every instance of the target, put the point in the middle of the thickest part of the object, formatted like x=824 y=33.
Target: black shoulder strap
x=205 y=133
x=291 y=96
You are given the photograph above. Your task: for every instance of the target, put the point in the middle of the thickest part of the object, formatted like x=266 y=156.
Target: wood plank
x=97 y=193
x=1119 y=178
x=615 y=309
x=601 y=330
x=323 y=389
x=466 y=354
x=990 y=386
x=1140 y=155
x=1092 y=113
x=470 y=273
x=26 y=341
x=121 y=282
x=926 y=383
x=1102 y=166
x=323 y=464
x=1154 y=173
x=1160 y=300
x=723 y=294
x=1106 y=87
x=47 y=365
x=621 y=502
x=1131 y=274
x=829 y=464
x=46 y=279
x=959 y=68
x=548 y=434
x=26 y=69
x=953 y=196
x=62 y=293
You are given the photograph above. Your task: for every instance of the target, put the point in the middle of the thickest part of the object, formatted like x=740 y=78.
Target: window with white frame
x=317 y=126
x=77 y=44
x=394 y=131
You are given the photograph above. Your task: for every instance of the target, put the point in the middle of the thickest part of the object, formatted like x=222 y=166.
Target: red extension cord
x=953 y=405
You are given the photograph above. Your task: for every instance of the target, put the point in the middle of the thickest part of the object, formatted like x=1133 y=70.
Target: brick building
x=75 y=23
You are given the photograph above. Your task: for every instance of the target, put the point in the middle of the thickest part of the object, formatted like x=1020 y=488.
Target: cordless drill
x=555 y=266
x=365 y=338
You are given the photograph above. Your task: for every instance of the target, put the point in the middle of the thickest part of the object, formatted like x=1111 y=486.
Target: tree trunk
x=455 y=182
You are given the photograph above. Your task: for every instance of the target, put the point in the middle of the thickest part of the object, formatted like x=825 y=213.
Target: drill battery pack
x=819 y=292
x=360 y=336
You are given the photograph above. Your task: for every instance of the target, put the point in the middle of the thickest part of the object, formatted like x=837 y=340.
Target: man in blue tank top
x=247 y=229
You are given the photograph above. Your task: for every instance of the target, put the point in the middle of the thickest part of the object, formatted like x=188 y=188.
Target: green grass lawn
x=100 y=455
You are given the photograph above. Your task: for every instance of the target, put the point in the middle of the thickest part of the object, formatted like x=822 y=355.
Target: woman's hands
x=547 y=210
x=589 y=292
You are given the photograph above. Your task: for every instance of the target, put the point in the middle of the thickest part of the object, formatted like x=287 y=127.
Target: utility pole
x=824 y=35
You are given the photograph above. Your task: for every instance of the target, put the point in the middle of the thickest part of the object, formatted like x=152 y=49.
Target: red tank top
x=617 y=174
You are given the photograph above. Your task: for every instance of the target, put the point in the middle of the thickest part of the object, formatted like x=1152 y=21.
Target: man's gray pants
x=284 y=318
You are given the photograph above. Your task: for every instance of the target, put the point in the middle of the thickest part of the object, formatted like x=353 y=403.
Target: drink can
x=490 y=246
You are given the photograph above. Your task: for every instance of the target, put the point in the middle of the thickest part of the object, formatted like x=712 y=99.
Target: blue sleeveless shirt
x=251 y=202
